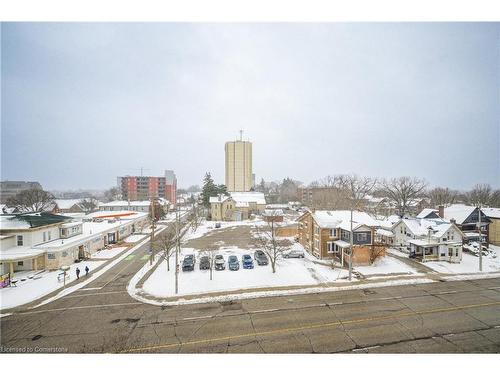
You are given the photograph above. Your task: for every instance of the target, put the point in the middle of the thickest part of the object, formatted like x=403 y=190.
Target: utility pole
x=351 y=238
x=480 y=240
x=177 y=246
x=152 y=255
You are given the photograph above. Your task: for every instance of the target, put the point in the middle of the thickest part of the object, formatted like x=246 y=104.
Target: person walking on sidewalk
x=87 y=270
x=77 y=272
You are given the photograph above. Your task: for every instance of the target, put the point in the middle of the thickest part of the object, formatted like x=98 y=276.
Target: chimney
x=441 y=211
x=453 y=221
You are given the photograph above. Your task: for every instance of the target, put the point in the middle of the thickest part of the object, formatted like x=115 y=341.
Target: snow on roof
x=459 y=212
x=426 y=211
x=123 y=215
x=249 y=196
x=420 y=227
x=342 y=219
x=219 y=199
x=341 y=243
x=424 y=243
x=66 y=204
x=19 y=253
x=277 y=205
x=384 y=232
x=30 y=220
x=491 y=212
x=241 y=204
x=131 y=203
x=273 y=213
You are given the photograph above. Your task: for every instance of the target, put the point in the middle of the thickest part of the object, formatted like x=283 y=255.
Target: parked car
x=188 y=263
x=220 y=263
x=204 y=263
x=295 y=253
x=247 y=261
x=260 y=257
x=233 y=263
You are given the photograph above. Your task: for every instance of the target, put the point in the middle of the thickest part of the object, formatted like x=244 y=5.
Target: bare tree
x=112 y=194
x=376 y=251
x=196 y=218
x=89 y=204
x=32 y=200
x=402 y=191
x=211 y=253
x=165 y=245
x=270 y=244
x=442 y=196
x=329 y=193
x=482 y=195
x=358 y=188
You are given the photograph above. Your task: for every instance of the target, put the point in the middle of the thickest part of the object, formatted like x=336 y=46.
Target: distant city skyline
x=85 y=103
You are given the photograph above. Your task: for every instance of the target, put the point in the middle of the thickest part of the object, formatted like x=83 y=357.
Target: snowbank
x=32 y=289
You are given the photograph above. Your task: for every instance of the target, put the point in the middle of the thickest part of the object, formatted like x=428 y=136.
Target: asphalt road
x=441 y=317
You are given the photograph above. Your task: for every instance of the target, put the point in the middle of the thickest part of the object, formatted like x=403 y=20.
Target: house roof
x=249 y=197
x=131 y=203
x=30 y=220
x=459 y=212
x=425 y=212
x=219 y=199
x=66 y=204
x=342 y=219
x=272 y=213
x=491 y=212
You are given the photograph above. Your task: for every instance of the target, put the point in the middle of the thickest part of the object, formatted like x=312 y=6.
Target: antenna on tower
x=241 y=135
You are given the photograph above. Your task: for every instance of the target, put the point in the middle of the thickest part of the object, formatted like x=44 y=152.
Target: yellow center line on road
x=309 y=327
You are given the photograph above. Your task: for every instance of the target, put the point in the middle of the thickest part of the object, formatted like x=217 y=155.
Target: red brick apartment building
x=137 y=188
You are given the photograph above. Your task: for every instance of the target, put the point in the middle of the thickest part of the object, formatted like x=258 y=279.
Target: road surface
x=440 y=317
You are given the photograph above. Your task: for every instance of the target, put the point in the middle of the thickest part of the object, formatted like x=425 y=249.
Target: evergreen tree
x=209 y=189
x=222 y=189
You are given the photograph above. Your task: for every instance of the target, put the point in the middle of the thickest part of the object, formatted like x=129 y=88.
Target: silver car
x=295 y=253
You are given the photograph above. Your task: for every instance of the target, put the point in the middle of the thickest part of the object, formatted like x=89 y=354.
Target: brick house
x=327 y=234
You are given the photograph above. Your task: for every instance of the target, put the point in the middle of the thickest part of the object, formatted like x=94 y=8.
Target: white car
x=294 y=254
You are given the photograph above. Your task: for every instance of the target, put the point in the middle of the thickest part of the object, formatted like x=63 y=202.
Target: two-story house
x=327 y=234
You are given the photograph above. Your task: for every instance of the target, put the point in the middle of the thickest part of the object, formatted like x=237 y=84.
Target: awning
x=384 y=232
x=17 y=254
x=342 y=244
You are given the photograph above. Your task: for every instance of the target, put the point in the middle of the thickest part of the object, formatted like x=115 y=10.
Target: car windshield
x=232 y=258
x=218 y=257
x=247 y=257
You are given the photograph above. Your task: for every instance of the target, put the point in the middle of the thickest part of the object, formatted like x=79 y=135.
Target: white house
x=429 y=239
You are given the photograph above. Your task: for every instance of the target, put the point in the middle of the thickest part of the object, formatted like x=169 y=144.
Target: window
x=333 y=233
x=330 y=247
x=450 y=252
x=21 y=263
x=316 y=244
x=44 y=235
x=49 y=235
x=316 y=230
x=362 y=237
x=51 y=256
x=20 y=241
x=456 y=252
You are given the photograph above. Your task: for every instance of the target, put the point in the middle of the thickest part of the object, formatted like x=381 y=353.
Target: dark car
x=204 y=263
x=188 y=263
x=233 y=263
x=220 y=263
x=260 y=257
x=247 y=261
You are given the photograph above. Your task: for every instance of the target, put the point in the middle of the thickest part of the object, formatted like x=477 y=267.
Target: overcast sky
x=85 y=103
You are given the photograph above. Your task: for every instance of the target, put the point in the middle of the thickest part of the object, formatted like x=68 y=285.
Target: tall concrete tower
x=239 y=165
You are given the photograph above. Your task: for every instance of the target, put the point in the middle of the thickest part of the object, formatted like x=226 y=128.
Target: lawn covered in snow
x=386 y=265
x=134 y=238
x=108 y=253
x=469 y=263
x=289 y=272
x=31 y=289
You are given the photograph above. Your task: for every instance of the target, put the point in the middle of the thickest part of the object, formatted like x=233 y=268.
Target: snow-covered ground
x=108 y=253
x=289 y=272
x=386 y=265
x=208 y=226
x=469 y=263
x=134 y=238
x=32 y=289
